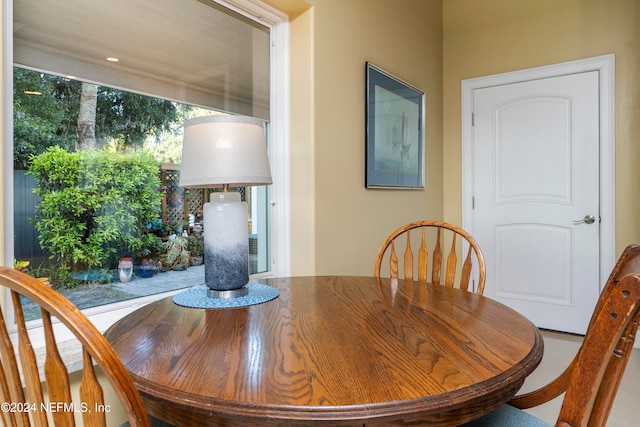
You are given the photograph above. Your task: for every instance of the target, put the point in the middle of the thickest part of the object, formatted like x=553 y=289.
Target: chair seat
x=508 y=416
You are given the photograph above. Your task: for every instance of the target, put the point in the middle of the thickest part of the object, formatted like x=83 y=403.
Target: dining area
x=338 y=350
x=327 y=333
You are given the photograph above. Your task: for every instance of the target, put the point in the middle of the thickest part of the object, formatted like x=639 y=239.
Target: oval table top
x=330 y=351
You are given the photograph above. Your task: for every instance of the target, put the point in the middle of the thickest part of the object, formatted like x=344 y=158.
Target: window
x=191 y=55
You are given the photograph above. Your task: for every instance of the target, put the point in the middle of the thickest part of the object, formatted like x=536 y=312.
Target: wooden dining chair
x=21 y=383
x=415 y=238
x=591 y=380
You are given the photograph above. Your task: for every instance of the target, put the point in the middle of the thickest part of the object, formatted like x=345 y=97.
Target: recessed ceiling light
x=112 y=59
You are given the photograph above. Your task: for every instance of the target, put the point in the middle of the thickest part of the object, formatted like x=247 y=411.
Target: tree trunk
x=87 y=117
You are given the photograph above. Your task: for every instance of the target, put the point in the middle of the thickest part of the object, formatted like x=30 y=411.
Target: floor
x=558 y=352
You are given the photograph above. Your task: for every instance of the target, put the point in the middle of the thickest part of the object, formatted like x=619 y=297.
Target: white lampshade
x=219 y=150
x=223 y=151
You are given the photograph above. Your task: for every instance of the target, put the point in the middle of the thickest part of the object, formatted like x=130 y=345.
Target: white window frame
x=104 y=316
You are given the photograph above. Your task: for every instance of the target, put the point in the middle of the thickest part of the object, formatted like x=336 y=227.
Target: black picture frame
x=394 y=132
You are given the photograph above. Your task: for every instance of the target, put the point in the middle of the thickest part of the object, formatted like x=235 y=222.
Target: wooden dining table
x=329 y=350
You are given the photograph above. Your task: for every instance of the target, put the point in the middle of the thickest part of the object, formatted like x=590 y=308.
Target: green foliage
x=45 y=113
x=59 y=275
x=95 y=206
x=131 y=117
x=50 y=117
x=166 y=144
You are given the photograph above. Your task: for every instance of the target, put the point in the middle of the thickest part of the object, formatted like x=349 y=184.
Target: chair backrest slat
x=56 y=375
x=29 y=365
x=436 y=265
x=408 y=259
x=91 y=391
x=452 y=263
x=393 y=262
x=465 y=277
x=423 y=257
x=10 y=383
x=434 y=235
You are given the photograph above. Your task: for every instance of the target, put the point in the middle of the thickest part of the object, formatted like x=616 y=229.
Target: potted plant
x=176 y=252
x=159 y=228
x=195 y=245
x=148 y=267
x=178 y=226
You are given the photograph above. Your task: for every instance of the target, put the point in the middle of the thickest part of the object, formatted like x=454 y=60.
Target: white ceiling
x=185 y=50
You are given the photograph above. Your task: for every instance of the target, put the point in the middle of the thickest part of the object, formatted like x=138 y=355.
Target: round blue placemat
x=197 y=297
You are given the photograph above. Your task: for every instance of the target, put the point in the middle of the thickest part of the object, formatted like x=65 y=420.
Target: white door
x=536 y=196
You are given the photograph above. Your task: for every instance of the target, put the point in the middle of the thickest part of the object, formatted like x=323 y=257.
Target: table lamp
x=222 y=152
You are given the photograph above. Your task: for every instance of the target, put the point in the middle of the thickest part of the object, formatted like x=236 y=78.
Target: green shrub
x=95 y=205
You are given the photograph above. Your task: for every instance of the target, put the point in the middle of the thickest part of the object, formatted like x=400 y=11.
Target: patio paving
x=96 y=294
x=163 y=282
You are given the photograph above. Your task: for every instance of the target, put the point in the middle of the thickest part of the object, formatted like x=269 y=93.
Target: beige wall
x=338 y=225
x=496 y=36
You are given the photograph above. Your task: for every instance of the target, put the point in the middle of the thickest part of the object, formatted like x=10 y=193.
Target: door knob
x=588 y=219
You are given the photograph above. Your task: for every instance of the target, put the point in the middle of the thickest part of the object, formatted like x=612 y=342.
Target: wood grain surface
x=330 y=351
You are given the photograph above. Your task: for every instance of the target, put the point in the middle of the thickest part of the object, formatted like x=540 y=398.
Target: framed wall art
x=395 y=132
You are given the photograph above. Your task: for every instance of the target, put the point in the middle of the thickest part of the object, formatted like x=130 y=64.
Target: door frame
x=605 y=66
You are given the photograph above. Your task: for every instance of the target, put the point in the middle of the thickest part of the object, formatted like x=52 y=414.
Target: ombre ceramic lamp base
x=226 y=246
